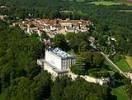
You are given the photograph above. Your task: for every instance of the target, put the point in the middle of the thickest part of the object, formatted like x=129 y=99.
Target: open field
x=129 y=60
x=80 y=0
x=123 y=65
x=107 y=3
x=76 y=0
x=120 y=93
x=110 y=3
x=129 y=11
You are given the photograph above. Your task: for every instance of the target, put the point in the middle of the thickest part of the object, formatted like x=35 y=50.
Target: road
x=114 y=65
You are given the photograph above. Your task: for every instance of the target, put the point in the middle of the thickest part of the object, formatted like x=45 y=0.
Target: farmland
x=111 y=3
x=129 y=60
x=120 y=93
x=123 y=65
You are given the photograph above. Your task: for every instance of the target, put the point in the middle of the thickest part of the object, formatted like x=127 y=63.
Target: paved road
x=91 y=79
x=114 y=65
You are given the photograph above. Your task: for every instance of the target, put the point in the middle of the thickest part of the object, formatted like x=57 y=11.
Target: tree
x=18 y=56
x=89 y=60
x=44 y=36
x=129 y=90
x=18 y=90
x=80 y=67
x=60 y=41
x=98 y=59
x=41 y=86
x=83 y=46
x=57 y=90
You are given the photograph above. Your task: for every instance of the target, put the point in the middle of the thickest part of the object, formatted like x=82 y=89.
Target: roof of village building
x=53 y=26
x=58 y=21
x=53 y=22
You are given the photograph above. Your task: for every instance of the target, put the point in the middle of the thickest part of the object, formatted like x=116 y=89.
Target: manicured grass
x=129 y=60
x=123 y=65
x=120 y=93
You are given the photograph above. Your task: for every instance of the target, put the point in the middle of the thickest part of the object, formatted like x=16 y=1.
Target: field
x=120 y=93
x=110 y=3
x=76 y=0
x=80 y=0
x=129 y=11
x=129 y=60
x=107 y=3
x=123 y=65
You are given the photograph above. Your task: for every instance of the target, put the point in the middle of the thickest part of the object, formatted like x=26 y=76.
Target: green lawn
x=123 y=65
x=120 y=93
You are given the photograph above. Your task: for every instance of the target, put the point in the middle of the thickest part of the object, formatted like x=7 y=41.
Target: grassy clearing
x=123 y=65
x=120 y=93
x=129 y=60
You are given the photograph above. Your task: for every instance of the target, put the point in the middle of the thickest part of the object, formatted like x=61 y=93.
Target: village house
x=52 y=27
x=2 y=17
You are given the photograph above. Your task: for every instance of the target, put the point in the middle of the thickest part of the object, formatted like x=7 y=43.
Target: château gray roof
x=60 y=53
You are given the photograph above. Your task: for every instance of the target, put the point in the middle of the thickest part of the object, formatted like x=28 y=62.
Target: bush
x=98 y=74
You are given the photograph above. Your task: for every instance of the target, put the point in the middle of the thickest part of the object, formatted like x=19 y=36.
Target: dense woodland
x=19 y=73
